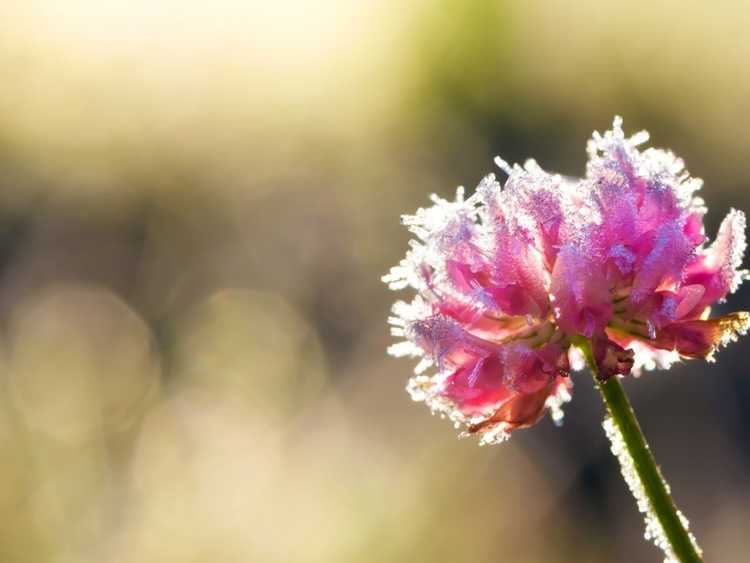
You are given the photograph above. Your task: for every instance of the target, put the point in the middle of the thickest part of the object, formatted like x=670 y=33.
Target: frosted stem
x=665 y=524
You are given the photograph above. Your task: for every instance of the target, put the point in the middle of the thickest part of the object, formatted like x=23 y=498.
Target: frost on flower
x=508 y=278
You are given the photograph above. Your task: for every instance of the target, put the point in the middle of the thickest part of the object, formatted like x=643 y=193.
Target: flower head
x=510 y=278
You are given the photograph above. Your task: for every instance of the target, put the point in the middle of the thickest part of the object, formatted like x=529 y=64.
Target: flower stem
x=654 y=487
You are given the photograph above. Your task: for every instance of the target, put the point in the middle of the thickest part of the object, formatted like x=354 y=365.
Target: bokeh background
x=197 y=201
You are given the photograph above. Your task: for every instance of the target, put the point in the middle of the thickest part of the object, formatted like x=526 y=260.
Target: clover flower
x=512 y=279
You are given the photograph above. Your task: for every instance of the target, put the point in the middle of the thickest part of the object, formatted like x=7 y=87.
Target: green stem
x=655 y=488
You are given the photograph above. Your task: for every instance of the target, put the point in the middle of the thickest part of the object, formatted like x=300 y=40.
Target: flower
x=510 y=280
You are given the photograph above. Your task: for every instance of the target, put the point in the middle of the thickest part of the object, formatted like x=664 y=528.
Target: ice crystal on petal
x=654 y=531
x=507 y=278
x=614 y=150
x=730 y=328
x=495 y=435
x=727 y=252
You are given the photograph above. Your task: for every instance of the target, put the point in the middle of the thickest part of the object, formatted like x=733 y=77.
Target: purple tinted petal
x=717 y=268
x=581 y=295
x=664 y=263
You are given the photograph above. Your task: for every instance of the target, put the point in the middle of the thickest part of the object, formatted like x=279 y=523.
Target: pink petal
x=513 y=371
x=521 y=410
x=581 y=295
x=717 y=268
x=688 y=299
x=700 y=338
x=663 y=265
x=477 y=385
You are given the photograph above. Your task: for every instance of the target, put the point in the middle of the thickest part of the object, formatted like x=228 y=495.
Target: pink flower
x=510 y=279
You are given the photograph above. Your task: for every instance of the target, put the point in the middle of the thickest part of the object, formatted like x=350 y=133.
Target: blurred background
x=197 y=201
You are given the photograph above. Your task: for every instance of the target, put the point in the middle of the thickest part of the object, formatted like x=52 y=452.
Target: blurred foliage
x=197 y=201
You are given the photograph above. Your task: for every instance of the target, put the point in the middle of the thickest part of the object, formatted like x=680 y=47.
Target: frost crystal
x=509 y=277
x=654 y=531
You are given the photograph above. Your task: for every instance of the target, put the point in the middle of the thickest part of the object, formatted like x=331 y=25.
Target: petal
x=479 y=322
x=670 y=306
x=522 y=410
x=447 y=342
x=658 y=205
x=581 y=296
x=618 y=203
x=514 y=284
x=535 y=199
x=488 y=380
x=701 y=338
x=664 y=263
x=509 y=387
x=519 y=277
x=477 y=385
x=717 y=268
x=688 y=299
x=693 y=228
x=465 y=278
